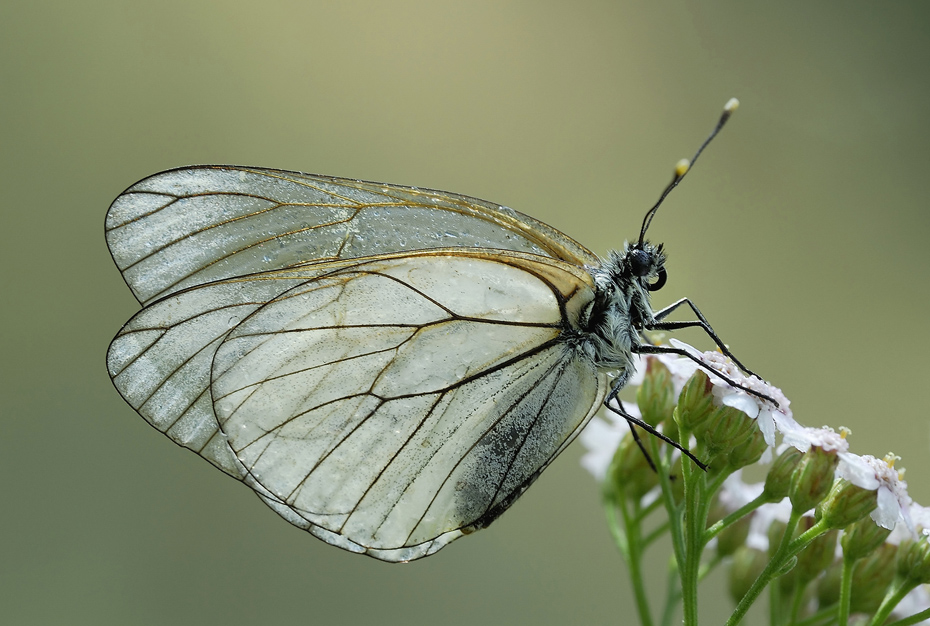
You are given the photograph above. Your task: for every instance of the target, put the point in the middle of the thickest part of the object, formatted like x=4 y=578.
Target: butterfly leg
x=702 y=322
x=635 y=421
x=650 y=349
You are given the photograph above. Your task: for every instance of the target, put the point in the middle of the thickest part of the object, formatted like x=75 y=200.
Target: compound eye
x=640 y=261
x=660 y=281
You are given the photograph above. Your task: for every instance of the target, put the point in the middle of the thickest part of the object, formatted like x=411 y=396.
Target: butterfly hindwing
x=387 y=405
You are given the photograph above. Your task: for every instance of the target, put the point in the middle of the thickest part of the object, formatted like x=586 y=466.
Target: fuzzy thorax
x=621 y=308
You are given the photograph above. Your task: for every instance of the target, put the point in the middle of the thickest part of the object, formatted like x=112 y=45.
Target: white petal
x=767 y=426
x=785 y=422
x=741 y=402
x=857 y=470
x=888 y=508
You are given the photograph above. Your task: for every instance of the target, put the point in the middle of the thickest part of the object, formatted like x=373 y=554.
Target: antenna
x=684 y=166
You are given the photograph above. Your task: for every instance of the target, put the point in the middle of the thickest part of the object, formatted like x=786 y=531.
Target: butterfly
x=388 y=367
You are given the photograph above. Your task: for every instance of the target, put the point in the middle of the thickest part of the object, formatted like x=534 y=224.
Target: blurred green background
x=802 y=234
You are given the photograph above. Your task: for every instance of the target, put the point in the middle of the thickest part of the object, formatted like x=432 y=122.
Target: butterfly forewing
x=397 y=419
x=195 y=225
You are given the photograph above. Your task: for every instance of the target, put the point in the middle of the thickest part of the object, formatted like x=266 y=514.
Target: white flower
x=768 y=416
x=602 y=437
x=874 y=474
x=804 y=437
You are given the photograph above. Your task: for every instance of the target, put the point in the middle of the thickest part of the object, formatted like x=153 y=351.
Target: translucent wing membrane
x=388 y=405
x=195 y=225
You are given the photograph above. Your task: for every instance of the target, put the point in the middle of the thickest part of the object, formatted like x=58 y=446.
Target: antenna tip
x=681 y=168
x=731 y=105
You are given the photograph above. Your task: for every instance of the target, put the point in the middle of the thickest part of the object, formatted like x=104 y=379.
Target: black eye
x=660 y=281
x=640 y=262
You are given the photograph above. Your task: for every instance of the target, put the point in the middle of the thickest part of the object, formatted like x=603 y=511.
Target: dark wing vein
x=516 y=403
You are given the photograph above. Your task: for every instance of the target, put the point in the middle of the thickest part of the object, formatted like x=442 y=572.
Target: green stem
x=672 y=593
x=694 y=523
x=733 y=517
x=672 y=510
x=786 y=550
x=899 y=589
x=774 y=605
x=620 y=539
x=718 y=481
x=708 y=567
x=845 y=591
x=797 y=597
x=646 y=510
x=916 y=618
x=630 y=544
x=655 y=533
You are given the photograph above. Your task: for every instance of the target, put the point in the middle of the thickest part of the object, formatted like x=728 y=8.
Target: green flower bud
x=748 y=452
x=828 y=587
x=695 y=402
x=778 y=480
x=914 y=560
x=862 y=537
x=817 y=556
x=747 y=564
x=733 y=536
x=812 y=478
x=656 y=396
x=775 y=532
x=725 y=429
x=629 y=475
x=846 y=504
x=871 y=578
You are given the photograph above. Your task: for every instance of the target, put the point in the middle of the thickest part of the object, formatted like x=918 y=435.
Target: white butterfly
x=388 y=367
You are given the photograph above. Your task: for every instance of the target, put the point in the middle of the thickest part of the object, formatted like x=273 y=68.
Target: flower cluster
x=831 y=534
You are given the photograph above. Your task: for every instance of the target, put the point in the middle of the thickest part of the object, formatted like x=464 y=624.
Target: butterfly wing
x=387 y=405
x=195 y=225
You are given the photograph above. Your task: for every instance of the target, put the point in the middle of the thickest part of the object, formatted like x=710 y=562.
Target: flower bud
x=629 y=474
x=871 y=578
x=748 y=452
x=778 y=480
x=775 y=532
x=846 y=504
x=656 y=395
x=812 y=478
x=828 y=587
x=817 y=556
x=733 y=536
x=725 y=429
x=914 y=560
x=695 y=402
x=747 y=564
x=862 y=537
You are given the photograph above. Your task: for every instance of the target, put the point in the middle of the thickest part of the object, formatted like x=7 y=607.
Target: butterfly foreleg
x=700 y=322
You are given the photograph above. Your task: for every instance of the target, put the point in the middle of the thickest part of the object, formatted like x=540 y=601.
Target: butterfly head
x=645 y=263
